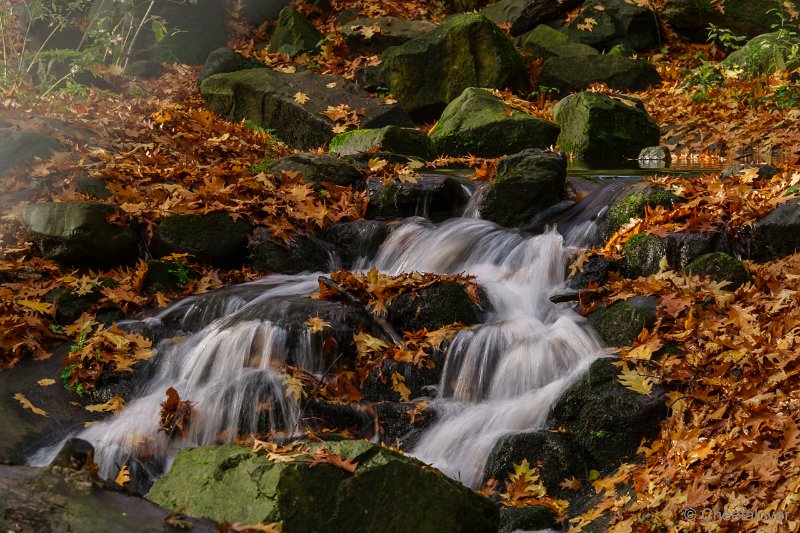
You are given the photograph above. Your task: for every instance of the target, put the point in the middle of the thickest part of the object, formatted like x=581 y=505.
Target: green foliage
x=729 y=40
x=180 y=272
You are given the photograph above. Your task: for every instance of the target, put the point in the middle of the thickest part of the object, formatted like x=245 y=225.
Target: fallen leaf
x=26 y=403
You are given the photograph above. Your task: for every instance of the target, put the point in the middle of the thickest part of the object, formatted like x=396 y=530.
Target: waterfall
x=500 y=377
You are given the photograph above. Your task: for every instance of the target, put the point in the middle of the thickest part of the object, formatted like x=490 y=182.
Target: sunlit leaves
x=26 y=403
x=633 y=380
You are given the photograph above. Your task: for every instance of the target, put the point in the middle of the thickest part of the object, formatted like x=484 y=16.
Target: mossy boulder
x=465 y=51
x=546 y=42
x=369 y=36
x=615 y=22
x=435 y=307
x=481 y=124
x=318 y=168
x=620 y=323
x=771 y=52
x=224 y=60
x=642 y=255
x=606 y=419
x=386 y=492
x=404 y=141
x=79 y=233
x=215 y=238
x=576 y=73
x=433 y=196
x=267 y=97
x=598 y=127
x=720 y=266
x=691 y=18
x=294 y=34
x=303 y=253
x=526 y=184
x=525 y=15
x=632 y=204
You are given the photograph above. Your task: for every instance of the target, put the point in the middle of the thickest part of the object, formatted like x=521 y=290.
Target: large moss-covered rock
x=743 y=17
x=642 y=255
x=433 y=196
x=526 y=184
x=684 y=247
x=765 y=54
x=720 y=266
x=775 y=235
x=598 y=127
x=294 y=34
x=215 y=238
x=608 y=420
x=524 y=15
x=481 y=124
x=224 y=60
x=545 y=42
x=393 y=139
x=18 y=147
x=632 y=204
x=615 y=22
x=318 y=168
x=368 y=36
x=621 y=323
x=466 y=51
x=267 y=97
x=386 y=492
x=79 y=233
x=576 y=73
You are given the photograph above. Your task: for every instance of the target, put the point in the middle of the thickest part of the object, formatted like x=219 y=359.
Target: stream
x=499 y=377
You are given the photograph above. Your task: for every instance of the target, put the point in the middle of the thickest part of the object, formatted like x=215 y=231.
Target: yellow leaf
x=588 y=24
x=317 y=324
x=593 y=475
x=114 y=405
x=35 y=305
x=300 y=97
x=294 y=387
x=26 y=403
x=399 y=386
x=331 y=85
x=46 y=382
x=632 y=380
x=124 y=476
x=376 y=164
x=339 y=128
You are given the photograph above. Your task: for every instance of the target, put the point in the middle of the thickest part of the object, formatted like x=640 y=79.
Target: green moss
x=621 y=323
x=642 y=255
x=337 y=141
x=633 y=206
x=720 y=266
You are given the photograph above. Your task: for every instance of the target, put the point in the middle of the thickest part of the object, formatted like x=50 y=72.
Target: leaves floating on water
x=114 y=405
x=26 y=403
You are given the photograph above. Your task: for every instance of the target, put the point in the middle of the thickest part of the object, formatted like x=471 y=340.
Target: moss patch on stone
x=720 y=266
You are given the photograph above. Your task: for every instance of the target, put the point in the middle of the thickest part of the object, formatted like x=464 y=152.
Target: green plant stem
x=136 y=34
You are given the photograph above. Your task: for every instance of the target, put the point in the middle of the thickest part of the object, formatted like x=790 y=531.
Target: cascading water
x=499 y=377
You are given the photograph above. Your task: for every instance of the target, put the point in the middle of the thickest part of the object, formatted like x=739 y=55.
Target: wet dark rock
x=17 y=147
x=527 y=183
x=632 y=204
x=145 y=69
x=79 y=233
x=67 y=496
x=616 y=22
x=434 y=196
x=576 y=73
x=608 y=420
x=303 y=253
x=546 y=42
x=387 y=491
x=655 y=153
x=434 y=307
x=595 y=270
x=776 y=235
x=392 y=31
x=369 y=78
x=598 y=127
x=463 y=6
x=420 y=381
x=720 y=267
x=691 y=18
x=682 y=247
x=257 y=12
x=357 y=239
x=466 y=51
x=765 y=172
x=620 y=323
x=481 y=124
x=405 y=141
x=533 y=518
x=397 y=426
x=92 y=187
x=266 y=97
x=69 y=305
x=642 y=255
x=166 y=277
x=317 y=168
x=224 y=60
x=525 y=15
x=294 y=34
x=557 y=455
x=215 y=238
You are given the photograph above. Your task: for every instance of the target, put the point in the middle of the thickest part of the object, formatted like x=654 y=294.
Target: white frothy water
x=503 y=376
x=499 y=378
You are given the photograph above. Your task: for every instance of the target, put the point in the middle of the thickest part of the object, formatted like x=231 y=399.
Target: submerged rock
x=266 y=97
x=599 y=127
x=481 y=124
x=466 y=51
x=215 y=238
x=386 y=492
x=79 y=233
x=526 y=184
